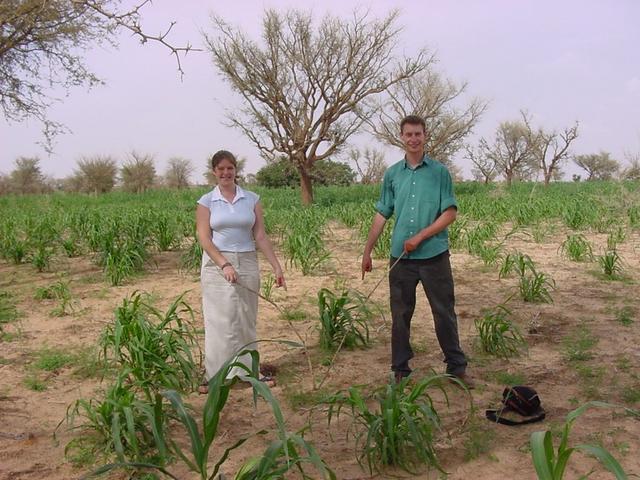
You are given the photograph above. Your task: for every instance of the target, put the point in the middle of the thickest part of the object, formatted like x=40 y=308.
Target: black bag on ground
x=521 y=400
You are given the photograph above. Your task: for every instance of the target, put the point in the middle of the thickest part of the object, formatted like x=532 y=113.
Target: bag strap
x=494 y=416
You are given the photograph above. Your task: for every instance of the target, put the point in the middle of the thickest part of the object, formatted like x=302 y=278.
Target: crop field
x=101 y=330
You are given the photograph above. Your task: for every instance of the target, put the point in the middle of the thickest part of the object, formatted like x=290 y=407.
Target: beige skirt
x=229 y=310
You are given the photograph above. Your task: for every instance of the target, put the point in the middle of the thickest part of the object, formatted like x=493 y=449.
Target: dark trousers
x=437 y=281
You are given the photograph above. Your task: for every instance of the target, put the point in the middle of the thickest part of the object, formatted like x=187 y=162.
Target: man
x=419 y=191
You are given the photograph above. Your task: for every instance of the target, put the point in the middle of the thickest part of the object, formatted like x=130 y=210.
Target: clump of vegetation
x=61 y=292
x=151 y=350
x=344 y=319
x=289 y=451
x=397 y=424
x=534 y=287
x=576 y=247
x=611 y=264
x=497 y=334
x=153 y=347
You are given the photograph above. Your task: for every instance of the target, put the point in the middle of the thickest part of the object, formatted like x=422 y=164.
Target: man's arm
x=443 y=221
x=377 y=226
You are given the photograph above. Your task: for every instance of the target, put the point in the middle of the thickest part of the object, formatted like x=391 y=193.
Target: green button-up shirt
x=417 y=197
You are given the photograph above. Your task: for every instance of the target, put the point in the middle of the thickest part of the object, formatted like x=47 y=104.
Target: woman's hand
x=230 y=273
x=280 y=282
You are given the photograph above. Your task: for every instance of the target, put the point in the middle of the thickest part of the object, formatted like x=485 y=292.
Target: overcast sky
x=562 y=60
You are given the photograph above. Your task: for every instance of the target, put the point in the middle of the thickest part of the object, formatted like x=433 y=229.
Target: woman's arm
x=203 y=230
x=264 y=244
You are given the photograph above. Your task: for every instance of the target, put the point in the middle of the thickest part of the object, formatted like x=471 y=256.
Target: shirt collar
x=217 y=195
x=425 y=162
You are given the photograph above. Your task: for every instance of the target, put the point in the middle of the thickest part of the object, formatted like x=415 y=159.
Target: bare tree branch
x=41 y=47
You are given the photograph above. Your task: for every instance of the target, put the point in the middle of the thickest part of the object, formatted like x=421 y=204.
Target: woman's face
x=225 y=172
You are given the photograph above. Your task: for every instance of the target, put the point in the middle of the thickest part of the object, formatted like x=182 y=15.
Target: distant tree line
x=520 y=151
x=98 y=174
x=101 y=174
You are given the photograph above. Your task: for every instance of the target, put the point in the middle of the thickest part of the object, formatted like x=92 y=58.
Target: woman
x=230 y=225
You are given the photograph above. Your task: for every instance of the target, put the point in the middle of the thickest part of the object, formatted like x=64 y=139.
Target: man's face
x=413 y=138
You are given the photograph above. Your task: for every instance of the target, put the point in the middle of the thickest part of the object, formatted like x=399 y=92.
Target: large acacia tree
x=448 y=120
x=307 y=88
x=42 y=43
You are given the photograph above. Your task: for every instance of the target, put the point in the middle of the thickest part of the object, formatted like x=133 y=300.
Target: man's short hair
x=413 y=120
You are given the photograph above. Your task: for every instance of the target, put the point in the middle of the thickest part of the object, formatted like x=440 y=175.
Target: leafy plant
x=153 y=347
x=16 y=251
x=57 y=291
x=518 y=262
x=344 y=319
x=551 y=463
x=281 y=456
x=577 y=248
x=120 y=423
x=611 y=264
x=535 y=288
x=400 y=429
x=497 y=334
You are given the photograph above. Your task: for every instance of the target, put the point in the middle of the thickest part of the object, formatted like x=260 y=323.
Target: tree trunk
x=508 y=177
x=306 y=187
x=547 y=177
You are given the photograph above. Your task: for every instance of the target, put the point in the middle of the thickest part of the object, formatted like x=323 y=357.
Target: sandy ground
x=582 y=299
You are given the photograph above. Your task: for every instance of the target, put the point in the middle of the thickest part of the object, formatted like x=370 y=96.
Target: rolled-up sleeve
x=385 y=204
x=447 y=197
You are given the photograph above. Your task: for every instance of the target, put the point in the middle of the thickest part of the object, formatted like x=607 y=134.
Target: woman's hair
x=223 y=155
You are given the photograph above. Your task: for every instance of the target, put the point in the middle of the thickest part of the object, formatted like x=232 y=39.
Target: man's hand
x=366 y=264
x=413 y=243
